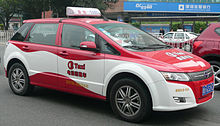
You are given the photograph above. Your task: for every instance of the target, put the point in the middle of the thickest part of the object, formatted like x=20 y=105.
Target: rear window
x=217 y=30
x=21 y=34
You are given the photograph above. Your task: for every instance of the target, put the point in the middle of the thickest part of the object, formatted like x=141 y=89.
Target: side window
x=179 y=36
x=187 y=37
x=43 y=34
x=73 y=35
x=217 y=30
x=21 y=34
x=169 y=35
x=106 y=47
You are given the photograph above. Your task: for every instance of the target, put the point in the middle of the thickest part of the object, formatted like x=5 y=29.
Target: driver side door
x=80 y=71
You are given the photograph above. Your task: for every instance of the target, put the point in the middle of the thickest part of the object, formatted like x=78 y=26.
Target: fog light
x=180 y=99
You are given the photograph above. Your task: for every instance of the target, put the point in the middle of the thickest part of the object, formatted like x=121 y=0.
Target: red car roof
x=69 y=20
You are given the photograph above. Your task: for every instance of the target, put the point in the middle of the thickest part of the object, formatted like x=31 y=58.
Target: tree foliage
x=33 y=8
x=7 y=9
x=59 y=7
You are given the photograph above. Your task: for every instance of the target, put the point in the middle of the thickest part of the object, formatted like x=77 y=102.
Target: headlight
x=175 y=76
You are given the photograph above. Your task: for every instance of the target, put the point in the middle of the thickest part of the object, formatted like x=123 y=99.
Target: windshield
x=130 y=37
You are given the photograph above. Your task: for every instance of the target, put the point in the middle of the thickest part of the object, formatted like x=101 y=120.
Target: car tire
x=19 y=80
x=130 y=100
x=216 y=68
x=187 y=48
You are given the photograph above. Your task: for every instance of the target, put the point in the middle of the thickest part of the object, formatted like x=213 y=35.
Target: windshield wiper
x=159 y=46
x=133 y=46
x=139 y=47
x=153 y=46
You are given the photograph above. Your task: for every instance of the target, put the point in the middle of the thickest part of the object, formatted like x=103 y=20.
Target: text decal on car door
x=74 y=67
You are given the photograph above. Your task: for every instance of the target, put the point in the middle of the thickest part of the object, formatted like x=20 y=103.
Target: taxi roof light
x=80 y=11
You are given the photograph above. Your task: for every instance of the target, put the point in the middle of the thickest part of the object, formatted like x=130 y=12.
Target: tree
x=7 y=9
x=33 y=8
x=59 y=7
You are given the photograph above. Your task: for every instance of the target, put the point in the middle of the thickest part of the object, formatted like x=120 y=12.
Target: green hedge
x=1 y=27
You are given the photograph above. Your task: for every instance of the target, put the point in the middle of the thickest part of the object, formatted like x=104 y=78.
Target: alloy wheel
x=128 y=100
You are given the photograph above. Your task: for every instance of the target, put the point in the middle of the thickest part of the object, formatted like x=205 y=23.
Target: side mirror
x=88 y=45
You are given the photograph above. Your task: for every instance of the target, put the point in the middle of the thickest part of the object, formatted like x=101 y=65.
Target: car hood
x=173 y=60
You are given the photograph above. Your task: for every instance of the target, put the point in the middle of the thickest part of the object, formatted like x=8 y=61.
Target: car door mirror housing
x=88 y=45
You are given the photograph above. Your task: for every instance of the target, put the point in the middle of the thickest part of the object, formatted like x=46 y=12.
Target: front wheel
x=216 y=69
x=19 y=80
x=130 y=100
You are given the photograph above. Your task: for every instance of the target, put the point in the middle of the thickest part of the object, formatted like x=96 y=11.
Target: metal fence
x=180 y=44
x=184 y=45
x=5 y=36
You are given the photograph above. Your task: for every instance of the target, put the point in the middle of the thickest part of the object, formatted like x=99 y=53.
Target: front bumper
x=190 y=91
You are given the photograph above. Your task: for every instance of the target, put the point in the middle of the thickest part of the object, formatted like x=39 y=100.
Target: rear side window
x=179 y=36
x=21 y=34
x=43 y=34
x=73 y=35
x=187 y=37
x=217 y=30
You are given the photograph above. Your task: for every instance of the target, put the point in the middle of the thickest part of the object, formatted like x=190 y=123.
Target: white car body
x=177 y=37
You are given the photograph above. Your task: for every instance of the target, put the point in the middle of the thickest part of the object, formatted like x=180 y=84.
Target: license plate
x=207 y=89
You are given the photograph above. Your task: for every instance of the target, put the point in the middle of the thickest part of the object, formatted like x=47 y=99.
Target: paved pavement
x=52 y=108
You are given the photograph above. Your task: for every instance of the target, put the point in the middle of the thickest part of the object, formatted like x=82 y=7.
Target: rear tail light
x=196 y=44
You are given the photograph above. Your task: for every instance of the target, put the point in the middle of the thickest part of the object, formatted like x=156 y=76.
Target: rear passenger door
x=82 y=71
x=42 y=54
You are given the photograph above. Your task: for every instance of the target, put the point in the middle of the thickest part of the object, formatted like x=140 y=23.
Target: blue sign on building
x=171 y=7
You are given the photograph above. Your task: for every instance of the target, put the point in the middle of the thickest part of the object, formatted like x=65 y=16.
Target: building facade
x=165 y=10
x=124 y=9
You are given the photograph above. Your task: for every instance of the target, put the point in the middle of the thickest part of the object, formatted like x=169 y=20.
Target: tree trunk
x=6 y=24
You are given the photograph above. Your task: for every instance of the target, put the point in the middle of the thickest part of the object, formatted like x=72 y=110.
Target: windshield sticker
x=179 y=55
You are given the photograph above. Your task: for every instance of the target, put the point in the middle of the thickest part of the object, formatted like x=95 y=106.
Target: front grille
x=197 y=76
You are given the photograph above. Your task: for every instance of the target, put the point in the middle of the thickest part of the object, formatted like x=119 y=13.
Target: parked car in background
x=207 y=46
x=179 y=39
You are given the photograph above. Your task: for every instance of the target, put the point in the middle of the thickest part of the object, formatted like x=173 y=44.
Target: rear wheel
x=130 y=100
x=216 y=68
x=187 y=48
x=19 y=80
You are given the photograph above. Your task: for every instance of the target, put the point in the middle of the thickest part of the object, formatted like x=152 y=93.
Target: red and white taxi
x=107 y=60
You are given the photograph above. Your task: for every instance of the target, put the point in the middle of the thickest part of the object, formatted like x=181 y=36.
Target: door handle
x=63 y=53
x=25 y=48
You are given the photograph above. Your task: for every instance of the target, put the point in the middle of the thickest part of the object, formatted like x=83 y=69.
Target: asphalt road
x=52 y=108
